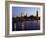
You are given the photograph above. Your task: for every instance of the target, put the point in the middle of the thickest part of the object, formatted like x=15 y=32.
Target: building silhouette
x=24 y=18
x=37 y=13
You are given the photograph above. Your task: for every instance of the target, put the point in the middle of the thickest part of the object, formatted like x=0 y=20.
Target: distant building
x=26 y=18
x=37 y=13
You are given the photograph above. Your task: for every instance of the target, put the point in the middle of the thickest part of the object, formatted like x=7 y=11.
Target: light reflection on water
x=28 y=25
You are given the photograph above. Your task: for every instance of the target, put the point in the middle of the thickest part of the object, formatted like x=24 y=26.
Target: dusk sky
x=16 y=11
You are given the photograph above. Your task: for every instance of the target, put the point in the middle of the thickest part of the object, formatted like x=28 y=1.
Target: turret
x=37 y=13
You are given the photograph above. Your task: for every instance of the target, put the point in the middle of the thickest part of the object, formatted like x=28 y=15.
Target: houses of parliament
x=25 y=18
x=22 y=19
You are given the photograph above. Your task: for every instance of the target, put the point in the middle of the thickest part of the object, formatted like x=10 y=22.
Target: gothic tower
x=26 y=14
x=37 y=13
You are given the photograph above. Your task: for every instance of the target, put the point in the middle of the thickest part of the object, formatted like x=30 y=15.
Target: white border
x=25 y=32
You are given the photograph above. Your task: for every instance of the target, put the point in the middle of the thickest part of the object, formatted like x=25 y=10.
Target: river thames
x=27 y=25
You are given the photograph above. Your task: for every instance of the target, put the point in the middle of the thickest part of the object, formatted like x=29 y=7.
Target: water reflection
x=27 y=25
